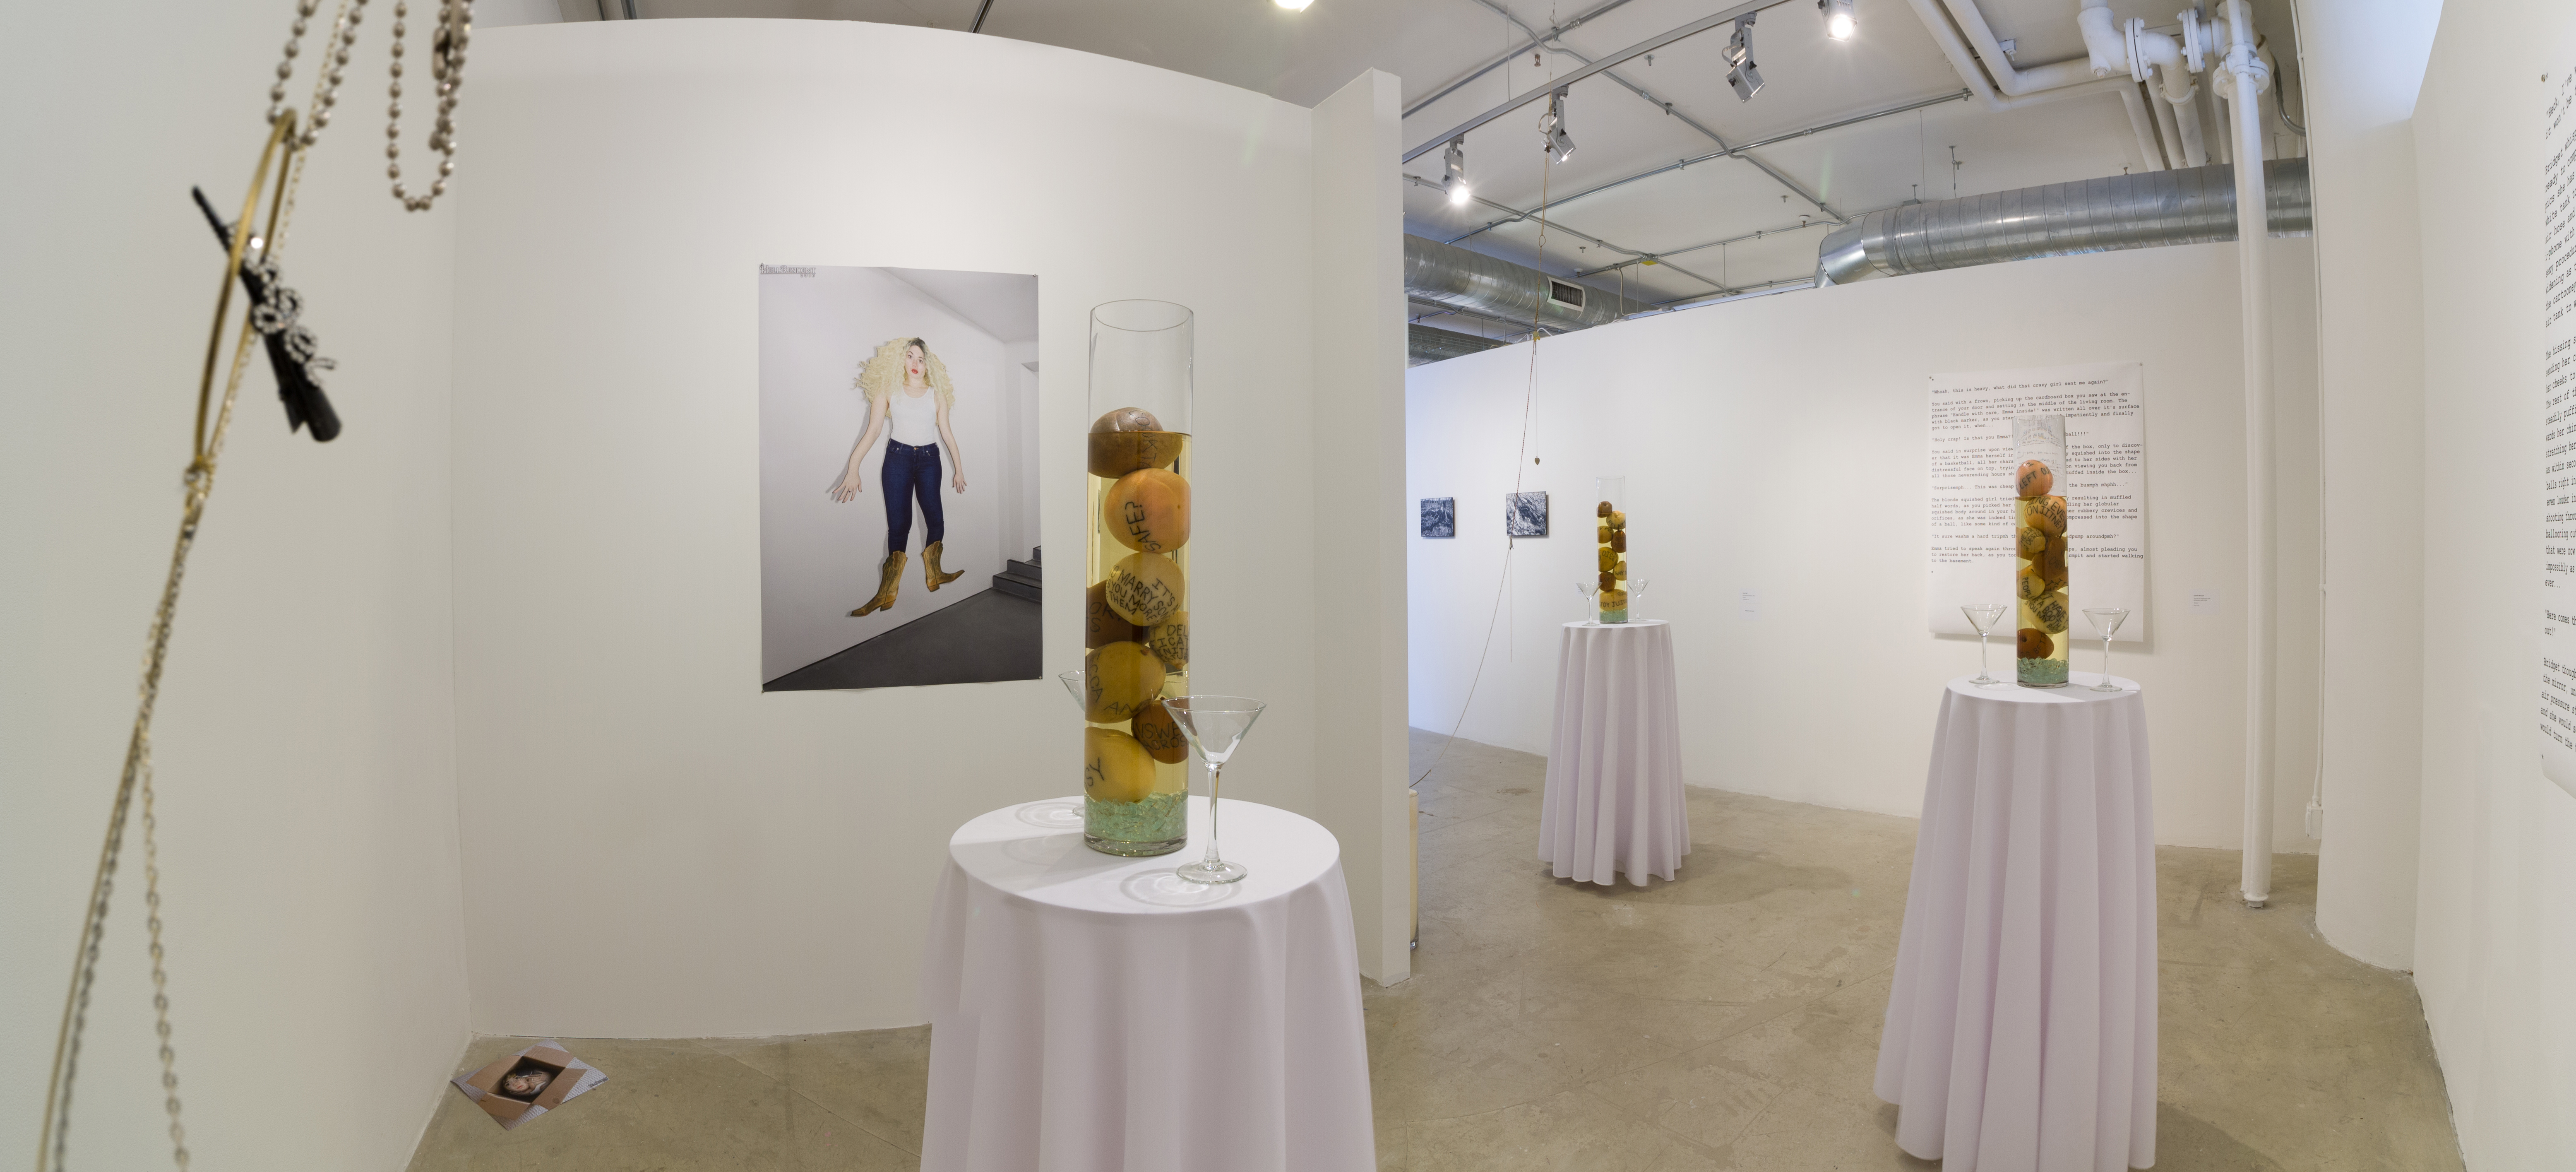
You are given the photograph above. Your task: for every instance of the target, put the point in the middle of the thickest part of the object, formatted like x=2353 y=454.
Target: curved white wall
x=713 y=860
x=304 y=749
x=1777 y=445
x=2495 y=925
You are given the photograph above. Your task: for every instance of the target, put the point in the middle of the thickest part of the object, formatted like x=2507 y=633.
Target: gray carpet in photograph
x=991 y=636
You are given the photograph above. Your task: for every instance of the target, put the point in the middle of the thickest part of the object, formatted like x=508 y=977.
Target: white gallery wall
x=737 y=863
x=1776 y=446
x=2360 y=65
x=307 y=804
x=819 y=557
x=2495 y=924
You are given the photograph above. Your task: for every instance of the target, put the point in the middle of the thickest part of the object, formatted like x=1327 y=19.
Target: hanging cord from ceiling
x=1529 y=394
x=53 y=1145
x=268 y=325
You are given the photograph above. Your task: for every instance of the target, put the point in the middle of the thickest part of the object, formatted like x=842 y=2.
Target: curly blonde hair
x=883 y=374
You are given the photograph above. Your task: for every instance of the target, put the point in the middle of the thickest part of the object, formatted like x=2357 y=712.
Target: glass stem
x=1213 y=770
x=2106 y=659
x=1982 y=673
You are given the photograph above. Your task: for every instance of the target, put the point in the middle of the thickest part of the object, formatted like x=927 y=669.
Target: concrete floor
x=1726 y=1020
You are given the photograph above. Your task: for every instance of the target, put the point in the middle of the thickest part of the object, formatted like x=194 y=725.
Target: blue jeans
x=911 y=472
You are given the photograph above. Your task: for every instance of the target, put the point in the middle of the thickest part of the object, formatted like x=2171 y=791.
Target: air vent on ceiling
x=1569 y=296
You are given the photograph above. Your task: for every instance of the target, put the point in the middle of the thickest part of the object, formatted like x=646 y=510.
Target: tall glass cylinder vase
x=1610 y=531
x=2043 y=642
x=1136 y=619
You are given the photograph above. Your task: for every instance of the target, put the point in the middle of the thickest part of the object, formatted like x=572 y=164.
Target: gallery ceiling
x=1933 y=151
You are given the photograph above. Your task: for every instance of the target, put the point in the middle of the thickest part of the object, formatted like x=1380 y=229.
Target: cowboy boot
x=930 y=571
x=892 y=572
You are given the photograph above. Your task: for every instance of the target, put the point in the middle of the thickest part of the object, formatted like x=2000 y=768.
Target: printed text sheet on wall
x=2558 y=428
x=2105 y=486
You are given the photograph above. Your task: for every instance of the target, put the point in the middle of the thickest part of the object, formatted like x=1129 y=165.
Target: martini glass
x=2106 y=619
x=1636 y=590
x=1073 y=683
x=1215 y=726
x=1982 y=616
x=1589 y=588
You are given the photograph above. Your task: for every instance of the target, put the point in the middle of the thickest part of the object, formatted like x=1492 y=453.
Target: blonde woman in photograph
x=908 y=391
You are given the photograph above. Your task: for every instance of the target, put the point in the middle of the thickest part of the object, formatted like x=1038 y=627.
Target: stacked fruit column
x=1136 y=619
x=1611 y=527
x=2039 y=580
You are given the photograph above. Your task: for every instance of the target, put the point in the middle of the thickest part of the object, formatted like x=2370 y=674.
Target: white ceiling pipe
x=2246 y=78
x=2169 y=120
x=2143 y=125
x=2013 y=81
x=2150 y=57
x=1945 y=34
x=2186 y=115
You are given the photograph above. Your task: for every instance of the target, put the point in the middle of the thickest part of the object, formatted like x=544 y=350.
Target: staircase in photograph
x=1021 y=579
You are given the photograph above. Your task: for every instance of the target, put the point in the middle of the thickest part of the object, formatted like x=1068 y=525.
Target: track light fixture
x=1456 y=183
x=1838 y=18
x=1551 y=128
x=1743 y=75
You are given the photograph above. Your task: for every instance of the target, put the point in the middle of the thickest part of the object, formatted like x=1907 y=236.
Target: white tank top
x=915 y=420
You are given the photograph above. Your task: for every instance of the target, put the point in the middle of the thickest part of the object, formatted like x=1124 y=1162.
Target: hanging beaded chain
x=447 y=65
x=447 y=68
x=327 y=86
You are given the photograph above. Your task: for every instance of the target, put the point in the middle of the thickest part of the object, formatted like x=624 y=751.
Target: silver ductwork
x=1427 y=344
x=1445 y=274
x=2147 y=210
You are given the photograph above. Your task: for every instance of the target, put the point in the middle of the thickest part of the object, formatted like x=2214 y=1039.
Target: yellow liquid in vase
x=1136 y=779
x=2043 y=609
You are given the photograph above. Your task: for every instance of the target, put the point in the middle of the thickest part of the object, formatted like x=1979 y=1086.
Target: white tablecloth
x=2021 y=1031
x=1091 y=1014
x=1614 y=762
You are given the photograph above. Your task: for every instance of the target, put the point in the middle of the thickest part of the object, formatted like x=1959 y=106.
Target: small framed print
x=1440 y=516
x=1524 y=514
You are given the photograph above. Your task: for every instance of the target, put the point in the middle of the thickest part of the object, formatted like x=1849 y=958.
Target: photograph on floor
x=898 y=477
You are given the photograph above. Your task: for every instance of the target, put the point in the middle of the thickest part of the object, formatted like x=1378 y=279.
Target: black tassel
x=292 y=349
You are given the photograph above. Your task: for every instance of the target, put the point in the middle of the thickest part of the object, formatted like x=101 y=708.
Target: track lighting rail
x=1695 y=160
x=1724 y=18
x=1536 y=39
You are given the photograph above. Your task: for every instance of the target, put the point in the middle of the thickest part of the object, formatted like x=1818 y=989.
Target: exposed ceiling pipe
x=2153 y=57
x=1946 y=34
x=1425 y=344
x=2169 y=120
x=2014 y=81
x=1445 y=274
x=2191 y=206
x=2246 y=78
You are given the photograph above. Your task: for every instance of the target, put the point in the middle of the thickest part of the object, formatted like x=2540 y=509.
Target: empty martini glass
x=1636 y=591
x=1982 y=616
x=1215 y=726
x=2106 y=619
x=1589 y=588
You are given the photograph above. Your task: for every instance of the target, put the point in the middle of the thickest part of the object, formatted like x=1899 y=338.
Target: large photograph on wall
x=898 y=477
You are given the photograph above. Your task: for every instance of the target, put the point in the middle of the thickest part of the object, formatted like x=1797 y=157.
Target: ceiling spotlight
x=1743 y=75
x=1551 y=128
x=1293 y=5
x=1456 y=183
x=1838 y=18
